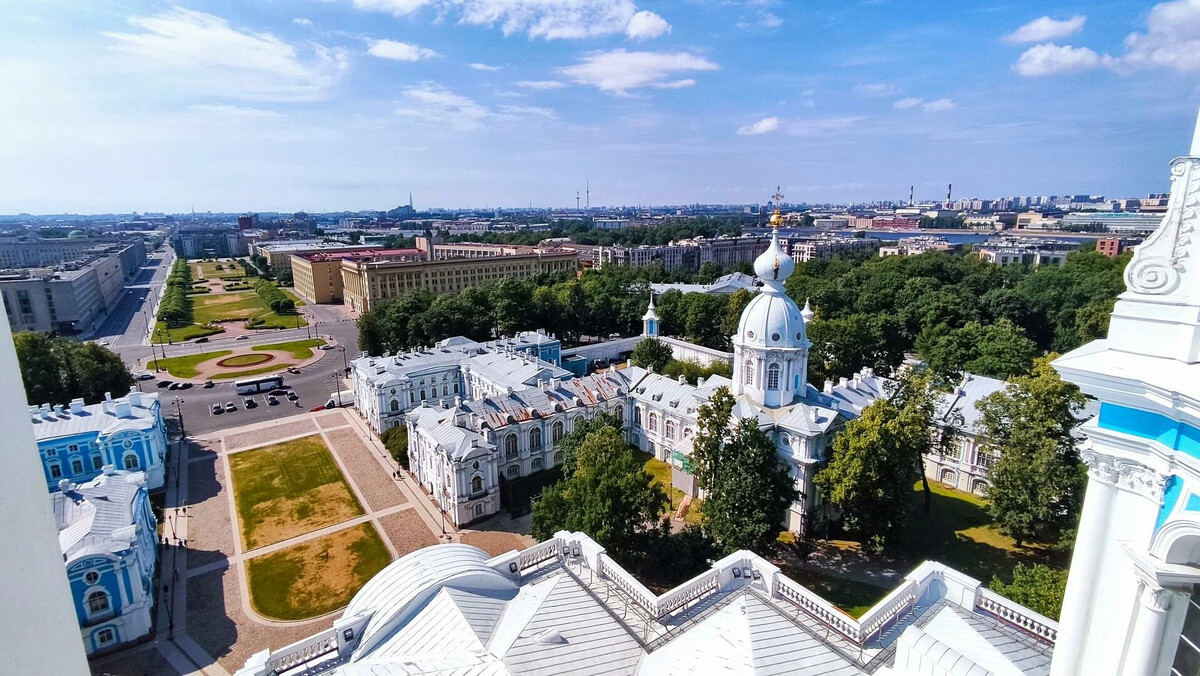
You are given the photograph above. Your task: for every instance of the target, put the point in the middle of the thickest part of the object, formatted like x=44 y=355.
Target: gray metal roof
x=94 y=517
x=135 y=412
x=959 y=408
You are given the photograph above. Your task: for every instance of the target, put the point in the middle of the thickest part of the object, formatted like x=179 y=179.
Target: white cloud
x=433 y=104
x=939 y=106
x=549 y=19
x=1172 y=38
x=619 y=71
x=1052 y=59
x=210 y=55
x=769 y=20
x=1044 y=29
x=541 y=84
x=301 y=21
x=763 y=126
x=823 y=126
x=646 y=25
x=399 y=51
x=875 y=89
x=906 y=103
x=483 y=66
x=226 y=110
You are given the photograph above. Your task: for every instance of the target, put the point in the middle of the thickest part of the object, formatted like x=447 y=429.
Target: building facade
x=317 y=278
x=76 y=442
x=107 y=531
x=958 y=458
x=219 y=242
x=367 y=280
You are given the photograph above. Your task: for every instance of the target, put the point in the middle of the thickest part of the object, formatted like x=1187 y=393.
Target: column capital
x=1126 y=474
x=1161 y=599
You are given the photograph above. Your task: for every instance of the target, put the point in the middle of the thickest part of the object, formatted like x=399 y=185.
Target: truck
x=342 y=398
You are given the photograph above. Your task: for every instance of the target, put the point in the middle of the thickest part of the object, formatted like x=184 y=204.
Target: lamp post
x=179 y=415
x=345 y=363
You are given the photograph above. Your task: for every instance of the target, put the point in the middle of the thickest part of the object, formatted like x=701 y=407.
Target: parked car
x=242 y=337
x=103 y=343
x=229 y=407
x=326 y=347
x=208 y=384
x=173 y=386
x=145 y=375
x=293 y=369
x=217 y=410
x=185 y=386
x=202 y=339
x=249 y=402
x=272 y=400
x=317 y=408
x=292 y=396
x=163 y=383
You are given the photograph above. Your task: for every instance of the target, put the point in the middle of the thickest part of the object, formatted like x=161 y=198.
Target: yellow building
x=369 y=278
x=318 y=277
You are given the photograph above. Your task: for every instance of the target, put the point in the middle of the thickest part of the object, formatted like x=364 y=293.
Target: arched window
x=55 y=470
x=97 y=462
x=97 y=602
x=395 y=405
x=654 y=422
x=131 y=462
x=445 y=389
x=536 y=464
x=556 y=432
x=748 y=369
x=671 y=430
x=513 y=471
x=477 y=485
x=687 y=433
x=773 y=377
x=637 y=414
x=510 y=447
x=535 y=439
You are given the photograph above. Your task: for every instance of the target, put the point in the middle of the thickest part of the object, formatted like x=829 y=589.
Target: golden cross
x=777 y=197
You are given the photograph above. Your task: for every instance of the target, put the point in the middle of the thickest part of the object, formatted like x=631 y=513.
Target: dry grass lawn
x=289 y=489
x=315 y=577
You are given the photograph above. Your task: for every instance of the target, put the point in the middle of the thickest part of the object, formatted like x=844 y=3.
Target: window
x=105 y=636
x=55 y=470
x=671 y=430
x=748 y=372
x=535 y=439
x=575 y=423
x=131 y=462
x=955 y=451
x=558 y=457
x=637 y=414
x=556 y=432
x=91 y=577
x=654 y=422
x=76 y=466
x=536 y=464
x=510 y=447
x=422 y=394
x=445 y=390
x=97 y=462
x=513 y=471
x=97 y=602
x=1187 y=652
x=477 y=485
x=394 y=406
x=477 y=510
x=773 y=377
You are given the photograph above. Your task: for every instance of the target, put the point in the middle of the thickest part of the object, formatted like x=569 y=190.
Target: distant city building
x=726 y=284
x=279 y=253
x=70 y=299
x=1114 y=246
x=611 y=223
x=109 y=542
x=318 y=278
x=1120 y=222
x=76 y=441
x=915 y=246
x=1025 y=251
x=215 y=242
x=826 y=246
x=44 y=252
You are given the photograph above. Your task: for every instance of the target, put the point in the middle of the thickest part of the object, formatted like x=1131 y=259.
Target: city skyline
x=332 y=106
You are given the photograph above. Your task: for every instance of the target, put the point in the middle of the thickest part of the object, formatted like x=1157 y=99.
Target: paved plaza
x=206 y=623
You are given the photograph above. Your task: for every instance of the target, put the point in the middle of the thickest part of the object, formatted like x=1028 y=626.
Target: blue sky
x=351 y=104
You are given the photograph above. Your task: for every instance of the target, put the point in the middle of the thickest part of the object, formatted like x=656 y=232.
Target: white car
x=144 y=375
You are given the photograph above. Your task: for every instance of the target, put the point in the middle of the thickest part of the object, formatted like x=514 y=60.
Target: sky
x=324 y=105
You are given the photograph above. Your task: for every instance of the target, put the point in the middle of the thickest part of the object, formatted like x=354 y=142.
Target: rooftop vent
x=77 y=405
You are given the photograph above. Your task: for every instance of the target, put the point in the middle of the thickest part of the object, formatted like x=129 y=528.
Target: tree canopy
x=56 y=370
x=651 y=353
x=1037 y=587
x=1038 y=481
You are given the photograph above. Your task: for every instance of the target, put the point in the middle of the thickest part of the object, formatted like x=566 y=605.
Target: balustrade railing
x=1039 y=626
x=890 y=608
x=689 y=591
x=302 y=651
x=627 y=583
x=818 y=608
x=539 y=553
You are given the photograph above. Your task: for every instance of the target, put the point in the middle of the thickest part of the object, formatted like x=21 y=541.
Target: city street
x=127 y=324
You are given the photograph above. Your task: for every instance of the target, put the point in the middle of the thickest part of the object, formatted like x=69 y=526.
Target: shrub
x=273 y=297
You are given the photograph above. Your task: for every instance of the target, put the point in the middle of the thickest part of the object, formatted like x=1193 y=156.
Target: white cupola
x=650 y=320
x=770 y=349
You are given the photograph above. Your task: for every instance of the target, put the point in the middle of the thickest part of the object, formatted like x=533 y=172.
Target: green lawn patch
x=300 y=349
x=275 y=366
x=661 y=472
x=245 y=360
x=315 y=577
x=185 y=366
x=217 y=269
x=295 y=299
x=182 y=333
x=289 y=489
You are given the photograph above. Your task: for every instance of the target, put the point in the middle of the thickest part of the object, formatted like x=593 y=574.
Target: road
x=127 y=324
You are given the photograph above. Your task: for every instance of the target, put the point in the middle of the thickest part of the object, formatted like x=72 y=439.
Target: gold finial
x=777 y=218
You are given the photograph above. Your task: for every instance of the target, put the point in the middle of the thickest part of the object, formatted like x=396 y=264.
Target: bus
x=263 y=384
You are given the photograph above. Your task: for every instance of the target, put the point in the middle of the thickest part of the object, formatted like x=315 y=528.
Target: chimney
x=135 y=396
x=121 y=408
x=58 y=410
x=868 y=372
x=815 y=415
x=842 y=382
x=108 y=396
x=682 y=379
x=700 y=381
x=109 y=469
x=628 y=363
x=77 y=405
x=828 y=386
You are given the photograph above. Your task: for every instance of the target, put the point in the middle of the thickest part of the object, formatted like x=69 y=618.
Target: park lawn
x=223 y=306
x=208 y=269
x=289 y=489
x=185 y=366
x=661 y=472
x=295 y=299
x=315 y=577
x=183 y=333
x=300 y=349
x=274 y=366
x=246 y=360
x=274 y=320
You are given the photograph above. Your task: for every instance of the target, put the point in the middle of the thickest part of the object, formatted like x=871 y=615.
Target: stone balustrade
x=302 y=651
x=1010 y=612
x=818 y=608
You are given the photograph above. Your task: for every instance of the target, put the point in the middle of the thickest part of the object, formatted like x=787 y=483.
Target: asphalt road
x=127 y=323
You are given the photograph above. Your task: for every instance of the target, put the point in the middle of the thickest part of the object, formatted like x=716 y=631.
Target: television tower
x=588 y=186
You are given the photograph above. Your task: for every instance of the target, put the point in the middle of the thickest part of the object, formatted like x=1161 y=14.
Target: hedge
x=273 y=297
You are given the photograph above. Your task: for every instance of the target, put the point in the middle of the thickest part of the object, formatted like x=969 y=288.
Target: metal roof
x=91 y=516
x=53 y=423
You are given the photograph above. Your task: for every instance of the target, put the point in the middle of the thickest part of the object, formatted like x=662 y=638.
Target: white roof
x=94 y=517
x=726 y=284
x=100 y=417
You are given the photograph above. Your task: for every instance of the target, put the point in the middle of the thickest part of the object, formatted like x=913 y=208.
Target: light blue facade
x=77 y=441
x=109 y=538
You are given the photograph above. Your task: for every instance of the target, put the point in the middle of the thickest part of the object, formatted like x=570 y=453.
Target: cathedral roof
x=772 y=319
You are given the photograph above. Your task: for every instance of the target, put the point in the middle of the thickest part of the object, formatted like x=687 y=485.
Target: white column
x=1145 y=641
x=1085 y=568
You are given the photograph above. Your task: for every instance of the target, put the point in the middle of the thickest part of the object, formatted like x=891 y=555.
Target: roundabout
x=243 y=360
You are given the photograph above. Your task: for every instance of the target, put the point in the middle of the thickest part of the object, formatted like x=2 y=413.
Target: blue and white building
x=76 y=441
x=109 y=543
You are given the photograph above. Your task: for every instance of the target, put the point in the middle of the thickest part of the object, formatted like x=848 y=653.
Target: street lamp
x=179 y=415
x=345 y=364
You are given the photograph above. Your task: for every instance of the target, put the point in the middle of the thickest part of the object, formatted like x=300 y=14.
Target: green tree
x=651 y=353
x=749 y=489
x=608 y=494
x=736 y=304
x=395 y=440
x=1038 y=482
x=56 y=370
x=875 y=461
x=1037 y=587
x=998 y=350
